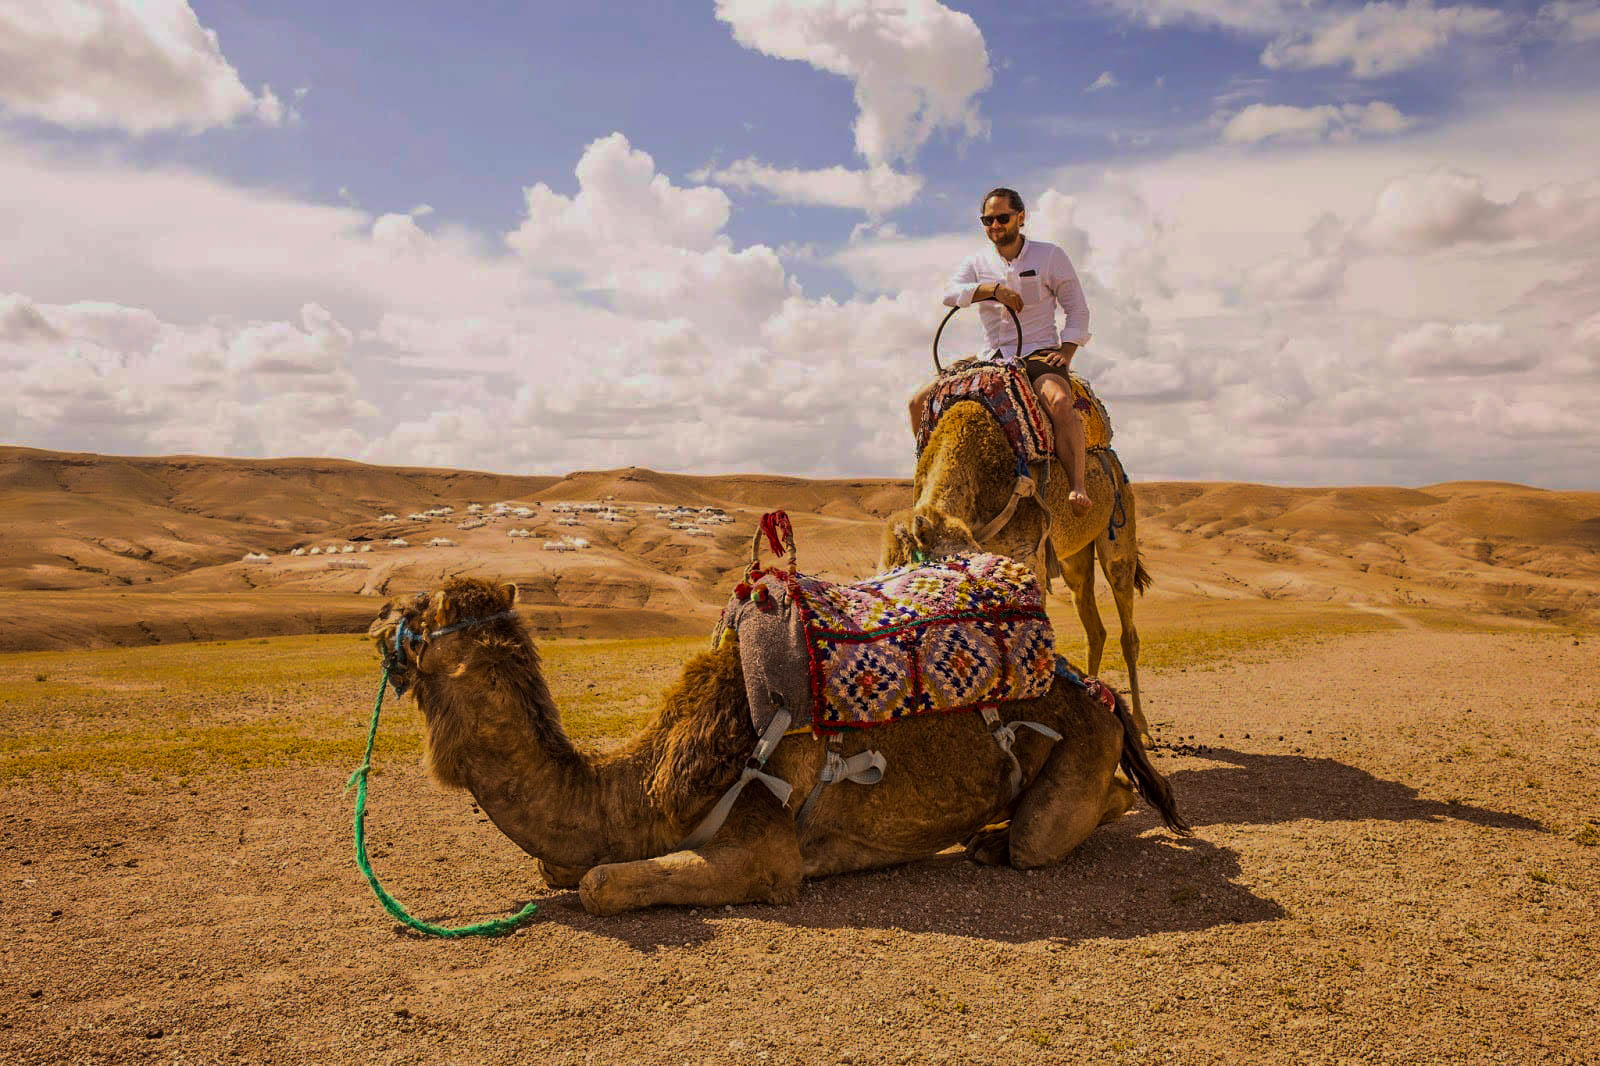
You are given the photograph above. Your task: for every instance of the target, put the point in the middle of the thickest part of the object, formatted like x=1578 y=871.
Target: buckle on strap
x=780 y=789
x=862 y=768
x=1005 y=736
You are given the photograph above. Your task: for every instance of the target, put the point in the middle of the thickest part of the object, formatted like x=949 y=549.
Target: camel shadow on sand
x=1129 y=879
x=1259 y=789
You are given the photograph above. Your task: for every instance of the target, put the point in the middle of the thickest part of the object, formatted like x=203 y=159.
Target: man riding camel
x=1032 y=278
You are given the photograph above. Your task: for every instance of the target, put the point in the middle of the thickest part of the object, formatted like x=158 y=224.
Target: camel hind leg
x=1125 y=573
x=1077 y=789
x=754 y=858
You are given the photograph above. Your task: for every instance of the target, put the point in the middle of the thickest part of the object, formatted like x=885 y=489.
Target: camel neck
x=556 y=803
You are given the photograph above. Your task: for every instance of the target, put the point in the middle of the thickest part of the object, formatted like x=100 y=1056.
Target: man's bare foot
x=1079 y=502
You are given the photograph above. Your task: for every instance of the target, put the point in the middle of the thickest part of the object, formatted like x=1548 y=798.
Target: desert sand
x=1377 y=705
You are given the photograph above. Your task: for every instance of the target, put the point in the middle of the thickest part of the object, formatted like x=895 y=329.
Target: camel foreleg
x=1078 y=572
x=754 y=858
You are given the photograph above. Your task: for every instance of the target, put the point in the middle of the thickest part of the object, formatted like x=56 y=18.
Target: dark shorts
x=1038 y=368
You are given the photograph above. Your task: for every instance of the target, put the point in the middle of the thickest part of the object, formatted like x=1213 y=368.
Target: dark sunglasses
x=1003 y=219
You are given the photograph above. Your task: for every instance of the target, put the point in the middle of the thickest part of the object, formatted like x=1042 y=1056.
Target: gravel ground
x=1393 y=862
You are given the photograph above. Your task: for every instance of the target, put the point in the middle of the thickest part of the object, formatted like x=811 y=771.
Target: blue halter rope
x=395 y=661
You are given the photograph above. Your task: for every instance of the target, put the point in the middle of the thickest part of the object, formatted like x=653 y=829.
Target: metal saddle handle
x=940 y=331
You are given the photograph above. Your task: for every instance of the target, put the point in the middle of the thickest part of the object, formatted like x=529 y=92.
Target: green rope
x=358 y=779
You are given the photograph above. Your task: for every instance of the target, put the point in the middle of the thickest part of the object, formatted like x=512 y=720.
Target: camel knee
x=1119 y=799
x=561 y=876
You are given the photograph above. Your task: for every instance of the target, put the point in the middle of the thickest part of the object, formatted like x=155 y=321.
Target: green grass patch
x=204 y=707
x=1212 y=632
x=199 y=708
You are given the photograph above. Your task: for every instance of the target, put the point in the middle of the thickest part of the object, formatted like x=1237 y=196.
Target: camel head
x=926 y=532
x=446 y=642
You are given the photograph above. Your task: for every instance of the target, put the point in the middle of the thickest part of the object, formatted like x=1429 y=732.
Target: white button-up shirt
x=1043 y=276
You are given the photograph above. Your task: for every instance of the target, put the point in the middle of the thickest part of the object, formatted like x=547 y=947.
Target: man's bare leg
x=1057 y=398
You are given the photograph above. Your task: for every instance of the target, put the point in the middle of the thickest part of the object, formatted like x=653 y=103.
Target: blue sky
x=1323 y=241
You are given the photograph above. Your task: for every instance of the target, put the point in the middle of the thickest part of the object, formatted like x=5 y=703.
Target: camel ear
x=898 y=547
x=921 y=528
x=441 y=612
x=956 y=529
x=508 y=593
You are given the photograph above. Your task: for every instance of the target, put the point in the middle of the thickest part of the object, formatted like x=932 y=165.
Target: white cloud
x=1309 y=277
x=917 y=66
x=21 y=321
x=1378 y=38
x=121 y=378
x=1587 y=333
x=1268 y=315
x=1247 y=16
x=1572 y=21
x=653 y=248
x=621 y=199
x=1440 y=208
x=1106 y=80
x=1260 y=122
x=876 y=190
x=1437 y=349
x=1381 y=38
x=132 y=66
x=1319 y=297
x=280 y=352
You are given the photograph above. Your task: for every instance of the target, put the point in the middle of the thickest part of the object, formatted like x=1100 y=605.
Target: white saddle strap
x=1026 y=487
x=1005 y=735
x=862 y=768
x=779 y=788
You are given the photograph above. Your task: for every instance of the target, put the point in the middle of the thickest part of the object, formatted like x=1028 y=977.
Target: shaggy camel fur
x=965 y=477
x=610 y=824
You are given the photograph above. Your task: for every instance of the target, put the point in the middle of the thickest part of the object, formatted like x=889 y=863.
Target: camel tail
x=1141 y=577
x=1146 y=778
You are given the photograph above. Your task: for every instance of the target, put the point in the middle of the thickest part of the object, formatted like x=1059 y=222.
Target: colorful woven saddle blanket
x=962 y=633
x=1005 y=390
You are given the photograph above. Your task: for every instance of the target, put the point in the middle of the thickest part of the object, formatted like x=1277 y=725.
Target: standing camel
x=614 y=825
x=966 y=477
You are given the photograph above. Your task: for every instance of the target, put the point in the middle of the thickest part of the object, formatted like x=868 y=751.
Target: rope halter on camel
x=394 y=663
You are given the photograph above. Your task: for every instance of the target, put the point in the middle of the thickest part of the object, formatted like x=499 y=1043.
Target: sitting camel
x=613 y=825
x=965 y=479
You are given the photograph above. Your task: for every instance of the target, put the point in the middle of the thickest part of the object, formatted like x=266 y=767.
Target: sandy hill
x=107 y=549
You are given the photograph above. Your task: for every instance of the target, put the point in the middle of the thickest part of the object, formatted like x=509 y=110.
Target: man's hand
x=1009 y=297
x=1062 y=356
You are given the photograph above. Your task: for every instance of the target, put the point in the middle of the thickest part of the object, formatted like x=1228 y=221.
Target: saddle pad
x=1005 y=390
x=962 y=633
x=1096 y=419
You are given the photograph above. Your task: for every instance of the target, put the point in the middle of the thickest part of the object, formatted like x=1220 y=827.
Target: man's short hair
x=1011 y=195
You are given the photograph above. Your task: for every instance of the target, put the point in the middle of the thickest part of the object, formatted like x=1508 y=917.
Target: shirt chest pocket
x=1030 y=288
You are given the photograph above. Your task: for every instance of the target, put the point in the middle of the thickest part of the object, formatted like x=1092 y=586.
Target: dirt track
x=1389 y=865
